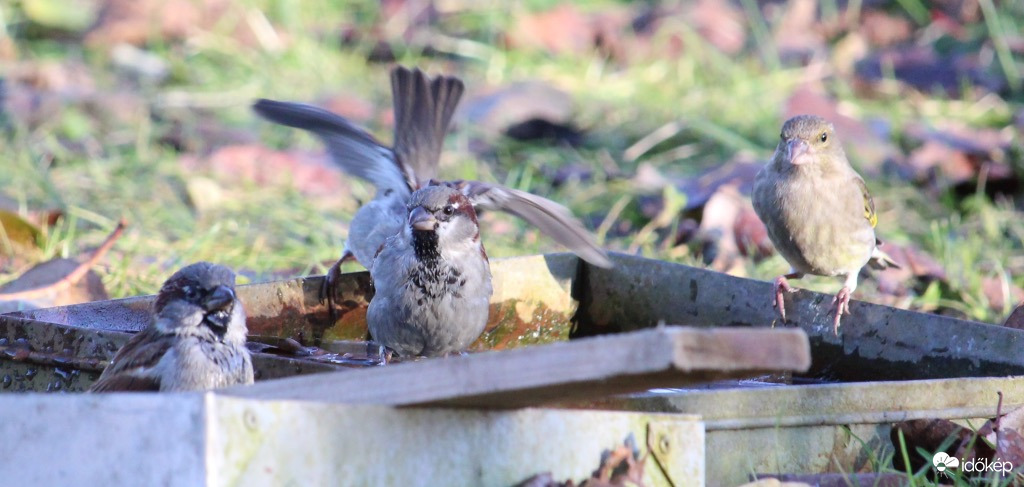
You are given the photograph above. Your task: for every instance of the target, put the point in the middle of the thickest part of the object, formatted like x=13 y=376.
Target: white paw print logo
x=942 y=461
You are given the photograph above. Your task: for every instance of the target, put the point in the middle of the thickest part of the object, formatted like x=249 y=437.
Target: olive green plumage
x=817 y=209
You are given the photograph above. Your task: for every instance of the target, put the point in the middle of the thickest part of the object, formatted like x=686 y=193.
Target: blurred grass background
x=106 y=120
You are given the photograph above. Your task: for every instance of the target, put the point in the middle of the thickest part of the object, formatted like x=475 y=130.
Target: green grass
x=99 y=170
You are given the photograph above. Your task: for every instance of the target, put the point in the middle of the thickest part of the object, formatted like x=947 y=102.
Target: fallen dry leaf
x=717 y=230
x=930 y=435
x=355 y=108
x=544 y=480
x=739 y=173
x=1016 y=318
x=16 y=234
x=313 y=175
x=883 y=29
x=139 y=22
x=564 y=29
x=925 y=70
x=955 y=155
x=720 y=22
x=751 y=235
x=797 y=33
x=916 y=266
x=830 y=480
x=496 y=111
x=1001 y=293
x=59 y=282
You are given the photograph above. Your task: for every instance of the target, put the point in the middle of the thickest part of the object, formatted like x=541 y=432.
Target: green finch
x=818 y=211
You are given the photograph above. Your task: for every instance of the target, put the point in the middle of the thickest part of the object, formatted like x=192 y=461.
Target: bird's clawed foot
x=841 y=305
x=330 y=281
x=781 y=286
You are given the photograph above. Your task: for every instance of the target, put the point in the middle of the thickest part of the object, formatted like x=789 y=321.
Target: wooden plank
x=575 y=370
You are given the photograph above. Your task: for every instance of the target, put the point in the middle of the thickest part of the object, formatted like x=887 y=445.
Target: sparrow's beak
x=799 y=152
x=421 y=219
x=219 y=298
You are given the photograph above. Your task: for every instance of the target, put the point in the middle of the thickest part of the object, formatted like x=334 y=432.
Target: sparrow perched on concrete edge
x=195 y=342
x=817 y=210
x=423 y=111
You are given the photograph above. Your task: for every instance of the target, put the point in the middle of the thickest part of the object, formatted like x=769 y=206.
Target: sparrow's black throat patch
x=218 y=321
x=424 y=243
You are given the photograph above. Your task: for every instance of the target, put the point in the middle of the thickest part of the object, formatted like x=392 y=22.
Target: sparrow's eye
x=824 y=136
x=190 y=292
x=448 y=210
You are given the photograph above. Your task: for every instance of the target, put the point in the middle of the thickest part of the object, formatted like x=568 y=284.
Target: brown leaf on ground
x=1000 y=293
x=931 y=434
x=982 y=142
x=63 y=77
x=42 y=94
x=955 y=155
x=313 y=175
x=139 y=22
x=497 y=111
x=882 y=29
x=38 y=218
x=830 y=480
x=719 y=22
x=564 y=29
x=915 y=266
x=88 y=288
x=544 y=480
x=355 y=108
x=938 y=165
x=1016 y=318
x=18 y=235
x=798 y=32
x=925 y=70
x=619 y=467
x=866 y=148
x=720 y=247
x=1006 y=432
x=662 y=31
x=200 y=131
x=751 y=235
x=59 y=282
x=1009 y=448
x=739 y=173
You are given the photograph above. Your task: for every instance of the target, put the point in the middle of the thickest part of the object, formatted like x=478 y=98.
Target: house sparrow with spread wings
x=419 y=237
x=195 y=342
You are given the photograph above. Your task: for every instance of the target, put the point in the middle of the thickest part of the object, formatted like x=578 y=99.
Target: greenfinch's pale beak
x=421 y=219
x=799 y=152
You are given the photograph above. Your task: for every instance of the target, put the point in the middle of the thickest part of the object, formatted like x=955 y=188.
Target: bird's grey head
x=199 y=295
x=805 y=138
x=441 y=217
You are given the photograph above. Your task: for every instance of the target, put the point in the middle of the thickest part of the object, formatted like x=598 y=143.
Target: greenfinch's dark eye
x=448 y=210
x=824 y=136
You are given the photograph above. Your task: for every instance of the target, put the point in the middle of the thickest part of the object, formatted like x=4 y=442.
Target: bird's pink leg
x=842 y=306
x=781 y=286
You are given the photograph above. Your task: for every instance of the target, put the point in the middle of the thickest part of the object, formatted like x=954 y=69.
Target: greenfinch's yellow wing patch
x=869 y=204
